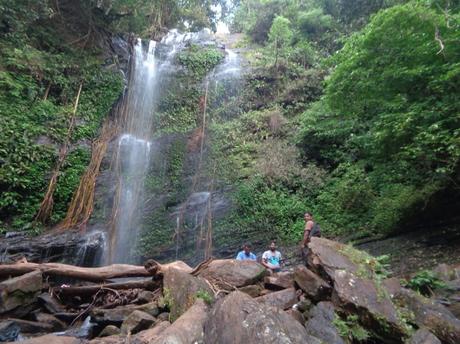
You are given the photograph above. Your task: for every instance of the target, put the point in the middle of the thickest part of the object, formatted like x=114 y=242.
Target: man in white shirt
x=271 y=259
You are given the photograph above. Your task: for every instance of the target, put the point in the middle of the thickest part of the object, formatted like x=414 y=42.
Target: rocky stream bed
x=343 y=296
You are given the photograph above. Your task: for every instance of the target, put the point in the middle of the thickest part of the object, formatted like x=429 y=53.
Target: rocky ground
x=344 y=296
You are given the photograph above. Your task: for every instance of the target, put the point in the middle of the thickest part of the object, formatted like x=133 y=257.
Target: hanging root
x=82 y=203
x=46 y=207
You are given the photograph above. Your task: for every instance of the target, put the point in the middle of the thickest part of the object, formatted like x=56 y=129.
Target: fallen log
x=93 y=289
x=98 y=274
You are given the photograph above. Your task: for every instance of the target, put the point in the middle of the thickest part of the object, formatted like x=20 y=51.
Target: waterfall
x=134 y=149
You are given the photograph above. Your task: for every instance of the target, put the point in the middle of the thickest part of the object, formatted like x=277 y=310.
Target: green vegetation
x=350 y=111
x=425 y=282
x=47 y=49
x=349 y=328
x=205 y=296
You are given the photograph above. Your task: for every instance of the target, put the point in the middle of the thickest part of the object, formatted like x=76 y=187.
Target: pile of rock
x=342 y=297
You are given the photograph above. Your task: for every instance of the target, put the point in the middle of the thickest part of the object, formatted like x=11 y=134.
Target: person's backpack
x=315 y=231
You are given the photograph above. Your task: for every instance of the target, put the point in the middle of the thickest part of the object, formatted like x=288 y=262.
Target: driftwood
x=99 y=274
x=93 y=289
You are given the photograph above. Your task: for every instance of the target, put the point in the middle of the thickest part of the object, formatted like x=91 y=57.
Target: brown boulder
x=423 y=336
x=180 y=290
x=370 y=302
x=296 y=315
x=136 y=321
x=20 y=291
x=326 y=256
x=115 y=316
x=283 y=299
x=280 y=280
x=314 y=286
x=46 y=318
x=320 y=323
x=238 y=318
x=52 y=339
x=185 y=330
x=436 y=318
x=252 y=290
x=229 y=273
x=146 y=336
x=109 y=330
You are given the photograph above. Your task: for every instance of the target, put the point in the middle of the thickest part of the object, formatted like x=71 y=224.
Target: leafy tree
x=280 y=36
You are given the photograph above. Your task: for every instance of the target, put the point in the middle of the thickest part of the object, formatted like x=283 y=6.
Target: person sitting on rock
x=246 y=254
x=271 y=259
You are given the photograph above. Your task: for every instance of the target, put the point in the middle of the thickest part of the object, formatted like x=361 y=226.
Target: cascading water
x=148 y=77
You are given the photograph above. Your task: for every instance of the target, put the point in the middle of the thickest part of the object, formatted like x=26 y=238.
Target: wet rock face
x=69 y=247
x=239 y=319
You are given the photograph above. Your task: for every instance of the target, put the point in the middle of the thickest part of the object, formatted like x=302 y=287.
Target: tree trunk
x=88 y=274
x=93 y=289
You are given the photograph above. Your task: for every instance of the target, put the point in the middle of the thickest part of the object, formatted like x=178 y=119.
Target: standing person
x=311 y=229
x=271 y=259
x=246 y=254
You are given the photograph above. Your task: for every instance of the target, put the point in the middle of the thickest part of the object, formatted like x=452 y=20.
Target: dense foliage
x=382 y=139
x=47 y=49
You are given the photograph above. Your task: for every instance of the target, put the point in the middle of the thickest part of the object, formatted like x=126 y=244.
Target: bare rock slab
x=146 y=336
x=320 y=323
x=435 y=317
x=326 y=256
x=233 y=273
x=283 y=299
x=238 y=318
x=423 y=336
x=372 y=304
x=314 y=286
x=20 y=291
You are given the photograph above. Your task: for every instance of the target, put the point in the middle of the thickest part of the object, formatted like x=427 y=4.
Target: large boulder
x=283 y=299
x=145 y=337
x=137 y=321
x=423 y=336
x=238 y=318
x=314 y=286
x=181 y=289
x=435 y=317
x=115 y=316
x=326 y=256
x=370 y=302
x=320 y=323
x=52 y=339
x=229 y=273
x=20 y=291
x=280 y=280
x=187 y=329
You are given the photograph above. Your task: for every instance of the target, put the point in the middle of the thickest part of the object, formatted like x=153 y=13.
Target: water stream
x=151 y=71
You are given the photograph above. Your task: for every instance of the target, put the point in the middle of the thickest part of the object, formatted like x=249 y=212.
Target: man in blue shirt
x=246 y=254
